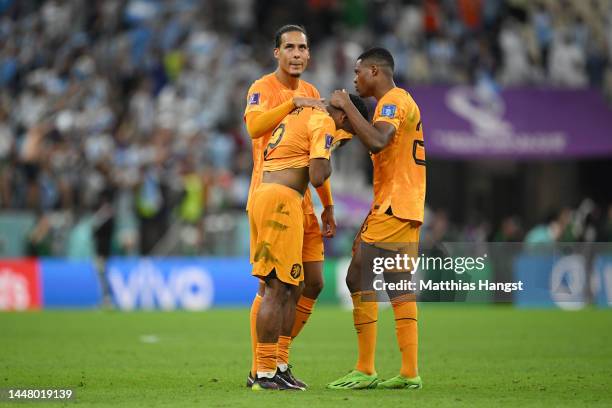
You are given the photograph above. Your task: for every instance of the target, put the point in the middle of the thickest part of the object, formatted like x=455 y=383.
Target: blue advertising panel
x=603 y=281
x=69 y=283
x=554 y=280
x=180 y=283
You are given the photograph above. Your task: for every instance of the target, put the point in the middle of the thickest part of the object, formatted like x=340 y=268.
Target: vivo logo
x=147 y=287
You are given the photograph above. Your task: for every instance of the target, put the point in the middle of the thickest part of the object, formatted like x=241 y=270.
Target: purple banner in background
x=466 y=122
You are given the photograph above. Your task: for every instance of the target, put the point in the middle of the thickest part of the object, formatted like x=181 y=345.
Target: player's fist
x=328 y=220
x=317 y=103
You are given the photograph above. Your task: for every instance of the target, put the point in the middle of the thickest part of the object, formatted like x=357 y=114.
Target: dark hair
x=360 y=105
x=287 y=29
x=380 y=56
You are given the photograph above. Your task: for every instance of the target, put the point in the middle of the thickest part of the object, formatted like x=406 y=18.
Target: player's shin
x=284 y=340
x=406 y=329
x=313 y=284
x=253 y=323
x=303 y=311
x=365 y=316
x=269 y=321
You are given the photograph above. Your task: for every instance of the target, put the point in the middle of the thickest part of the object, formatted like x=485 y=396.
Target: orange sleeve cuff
x=325 y=194
x=258 y=123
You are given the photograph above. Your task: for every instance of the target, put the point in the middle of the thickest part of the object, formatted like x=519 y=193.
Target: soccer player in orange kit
x=269 y=100
x=298 y=152
x=395 y=141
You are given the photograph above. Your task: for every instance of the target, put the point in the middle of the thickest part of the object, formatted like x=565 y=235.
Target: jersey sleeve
x=390 y=109
x=258 y=98
x=341 y=135
x=321 y=129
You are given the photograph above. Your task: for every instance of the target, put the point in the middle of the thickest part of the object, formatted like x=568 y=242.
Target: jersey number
x=277 y=135
x=416 y=144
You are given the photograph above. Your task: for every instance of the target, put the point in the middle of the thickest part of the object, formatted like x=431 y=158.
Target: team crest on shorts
x=254 y=99
x=388 y=111
x=296 y=271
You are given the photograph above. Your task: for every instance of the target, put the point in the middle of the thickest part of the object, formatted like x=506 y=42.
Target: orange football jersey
x=267 y=93
x=304 y=134
x=399 y=169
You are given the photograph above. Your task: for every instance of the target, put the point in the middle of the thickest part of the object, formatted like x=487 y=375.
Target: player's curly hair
x=360 y=105
x=287 y=29
x=379 y=56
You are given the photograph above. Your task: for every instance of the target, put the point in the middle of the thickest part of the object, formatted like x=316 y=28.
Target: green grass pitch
x=472 y=356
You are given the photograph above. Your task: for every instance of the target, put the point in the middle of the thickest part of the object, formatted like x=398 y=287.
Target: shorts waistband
x=281 y=188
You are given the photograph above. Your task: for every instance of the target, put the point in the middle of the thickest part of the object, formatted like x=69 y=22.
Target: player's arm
x=258 y=123
x=375 y=137
x=319 y=170
x=327 y=216
x=320 y=130
x=325 y=194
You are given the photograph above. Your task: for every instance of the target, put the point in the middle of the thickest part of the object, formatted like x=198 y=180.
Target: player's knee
x=316 y=287
x=313 y=288
x=352 y=276
x=352 y=283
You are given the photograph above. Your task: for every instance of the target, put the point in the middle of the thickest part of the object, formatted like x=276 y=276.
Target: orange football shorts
x=277 y=219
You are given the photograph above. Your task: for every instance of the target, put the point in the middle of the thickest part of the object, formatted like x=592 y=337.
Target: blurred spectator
x=567 y=62
x=516 y=67
x=606 y=227
x=40 y=238
x=7 y=146
x=553 y=229
x=510 y=230
x=542 y=24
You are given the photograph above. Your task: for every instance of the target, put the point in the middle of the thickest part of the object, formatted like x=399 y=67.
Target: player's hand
x=329 y=222
x=339 y=99
x=317 y=103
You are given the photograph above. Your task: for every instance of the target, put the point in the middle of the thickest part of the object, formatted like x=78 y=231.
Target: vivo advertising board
x=180 y=283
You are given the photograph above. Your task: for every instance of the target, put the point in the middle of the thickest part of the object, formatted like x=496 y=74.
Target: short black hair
x=287 y=29
x=360 y=105
x=378 y=55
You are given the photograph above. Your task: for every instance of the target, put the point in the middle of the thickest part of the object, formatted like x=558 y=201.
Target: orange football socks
x=253 y=316
x=266 y=359
x=282 y=349
x=303 y=310
x=365 y=316
x=407 y=333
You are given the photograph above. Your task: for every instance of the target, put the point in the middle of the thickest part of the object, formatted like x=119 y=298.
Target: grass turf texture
x=469 y=356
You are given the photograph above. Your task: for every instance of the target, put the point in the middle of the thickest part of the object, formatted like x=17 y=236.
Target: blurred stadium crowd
x=121 y=120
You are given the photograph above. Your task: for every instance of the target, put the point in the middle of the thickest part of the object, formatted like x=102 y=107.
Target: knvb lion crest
x=296 y=271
